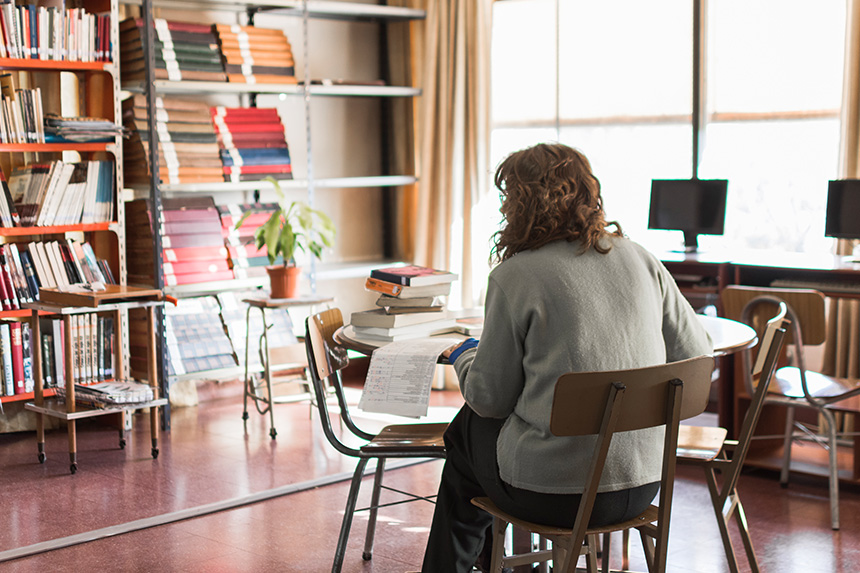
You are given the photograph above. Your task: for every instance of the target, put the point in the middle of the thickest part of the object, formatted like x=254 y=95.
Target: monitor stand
x=691 y=244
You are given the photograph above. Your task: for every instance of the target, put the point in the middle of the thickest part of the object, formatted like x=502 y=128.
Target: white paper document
x=399 y=377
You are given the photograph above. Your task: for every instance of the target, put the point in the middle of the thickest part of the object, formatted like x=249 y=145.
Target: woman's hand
x=447 y=352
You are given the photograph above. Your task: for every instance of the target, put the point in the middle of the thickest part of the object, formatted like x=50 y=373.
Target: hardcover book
x=413 y=275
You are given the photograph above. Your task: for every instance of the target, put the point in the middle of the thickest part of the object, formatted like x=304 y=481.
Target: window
x=614 y=79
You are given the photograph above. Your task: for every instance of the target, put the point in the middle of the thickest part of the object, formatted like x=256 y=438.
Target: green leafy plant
x=291 y=227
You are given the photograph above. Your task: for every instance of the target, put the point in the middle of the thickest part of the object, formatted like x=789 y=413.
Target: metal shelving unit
x=305 y=9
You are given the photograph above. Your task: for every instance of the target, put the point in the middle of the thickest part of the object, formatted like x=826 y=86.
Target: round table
x=728 y=336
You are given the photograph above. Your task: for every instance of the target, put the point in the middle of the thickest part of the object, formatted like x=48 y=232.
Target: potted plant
x=291 y=227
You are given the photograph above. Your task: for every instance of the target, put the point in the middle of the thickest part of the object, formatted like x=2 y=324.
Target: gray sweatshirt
x=555 y=310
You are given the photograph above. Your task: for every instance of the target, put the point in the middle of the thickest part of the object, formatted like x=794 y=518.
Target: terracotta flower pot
x=284 y=281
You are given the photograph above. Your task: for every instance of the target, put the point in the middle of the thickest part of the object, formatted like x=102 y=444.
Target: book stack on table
x=245 y=259
x=188 y=149
x=253 y=143
x=183 y=51
x=411 y=304
x=192 y=243
x=256 y=55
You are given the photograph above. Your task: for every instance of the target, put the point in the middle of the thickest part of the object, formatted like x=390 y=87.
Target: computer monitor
x=842 y=220
x=694 y=206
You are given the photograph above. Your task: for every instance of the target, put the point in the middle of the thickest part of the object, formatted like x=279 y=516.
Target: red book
x=252 y=221
x=246 y=251
x=413 y=275
x=194 y=253
x=17 y=357
x=191 y=278
x=203 y=266
x=258 y=169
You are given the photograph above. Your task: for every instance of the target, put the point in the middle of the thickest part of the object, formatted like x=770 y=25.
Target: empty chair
x=797 y=386
x=326 y=360
x=602 y=403
x=707 y=446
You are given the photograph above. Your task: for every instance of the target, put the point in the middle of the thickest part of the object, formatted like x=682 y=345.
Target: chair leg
x=591 y=555
x=648 y=547
x=741 y=519
x=625 y=549
x=834 y=468
x=543 y=566
x=604 y=558
x=345 y=525
x=499 y=528
x=374 y=509
x=786 y=446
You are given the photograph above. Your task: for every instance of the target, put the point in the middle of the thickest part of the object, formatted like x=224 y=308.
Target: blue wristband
x=467 y=344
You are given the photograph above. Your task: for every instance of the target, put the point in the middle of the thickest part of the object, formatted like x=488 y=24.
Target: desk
x=252 y=388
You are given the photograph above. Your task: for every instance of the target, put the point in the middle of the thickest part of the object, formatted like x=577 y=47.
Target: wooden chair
x=326 y=360
x=603 y=403
x=796 y=386
x=707 y=446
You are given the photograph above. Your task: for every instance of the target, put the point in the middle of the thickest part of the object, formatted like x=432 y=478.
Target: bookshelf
x=370 y=181
x=68 y=87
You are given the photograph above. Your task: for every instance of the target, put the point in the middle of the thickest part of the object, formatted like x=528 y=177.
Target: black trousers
x=459 y=529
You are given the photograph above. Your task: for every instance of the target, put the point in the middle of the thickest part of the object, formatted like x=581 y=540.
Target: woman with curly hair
x=570 y=293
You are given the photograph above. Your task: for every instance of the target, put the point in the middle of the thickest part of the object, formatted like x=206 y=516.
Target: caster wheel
x=122 y=444
x=273 y=433
x=73 y=468
x=783 y=485
x=42 y=457
x=154 y=453
x=366 y=556
x=244 y=415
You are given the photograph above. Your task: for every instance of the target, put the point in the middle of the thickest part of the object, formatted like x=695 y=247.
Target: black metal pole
x=155 y=200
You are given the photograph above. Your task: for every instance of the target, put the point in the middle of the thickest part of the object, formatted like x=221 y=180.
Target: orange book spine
x=383 y=286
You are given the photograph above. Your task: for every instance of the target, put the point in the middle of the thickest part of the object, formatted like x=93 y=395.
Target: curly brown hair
x=549 y=193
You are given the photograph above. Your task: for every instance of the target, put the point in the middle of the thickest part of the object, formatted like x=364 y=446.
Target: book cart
x=153 y=87
x=72 y=86
x=114 y=300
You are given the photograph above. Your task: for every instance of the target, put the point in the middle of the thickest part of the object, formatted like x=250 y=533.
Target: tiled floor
x=207 y=458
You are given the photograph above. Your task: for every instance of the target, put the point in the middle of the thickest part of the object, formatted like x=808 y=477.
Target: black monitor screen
x=695 y=206
x=843 y=209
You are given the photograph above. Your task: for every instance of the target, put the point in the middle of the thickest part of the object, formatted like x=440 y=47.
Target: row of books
x=200 y=52
x=410 y=304
x=27 y=267
x=244 y=258
x=21 y=116
x=58 y=193
x=93 y=346
x=53 y=33
x=199 y=144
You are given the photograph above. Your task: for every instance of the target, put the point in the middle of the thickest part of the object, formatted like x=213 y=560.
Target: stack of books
x=192 y=243
x=256 y=55
x=245 y=259
x=253 y=143
x=79 y=129
x=105 y=394
x=183 y=51
x=21 y=115
x=188 y=146
x=410 y=304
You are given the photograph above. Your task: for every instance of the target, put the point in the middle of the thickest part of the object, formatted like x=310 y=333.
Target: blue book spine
x=34 y=31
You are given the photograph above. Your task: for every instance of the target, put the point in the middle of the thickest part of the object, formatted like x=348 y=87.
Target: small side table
x=251 y=386
x=113 y=300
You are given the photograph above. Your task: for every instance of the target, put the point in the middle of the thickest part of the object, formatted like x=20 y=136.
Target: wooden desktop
x=702 y=276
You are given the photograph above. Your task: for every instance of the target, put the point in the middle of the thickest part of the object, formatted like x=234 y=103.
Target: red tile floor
x=207 y=457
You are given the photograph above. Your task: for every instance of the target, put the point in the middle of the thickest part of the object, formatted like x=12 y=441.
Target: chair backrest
x=326 y=359
x=805 y=309
x=575 y=410
x=603 y=403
